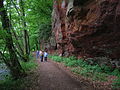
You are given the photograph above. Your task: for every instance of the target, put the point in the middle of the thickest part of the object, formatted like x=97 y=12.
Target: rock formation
x=87 y=28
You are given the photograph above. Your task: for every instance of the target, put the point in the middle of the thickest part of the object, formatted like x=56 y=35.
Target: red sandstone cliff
x=91 y=29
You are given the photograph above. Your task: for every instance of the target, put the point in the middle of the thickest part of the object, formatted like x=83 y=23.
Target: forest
x=24 y=25
x=81 y=38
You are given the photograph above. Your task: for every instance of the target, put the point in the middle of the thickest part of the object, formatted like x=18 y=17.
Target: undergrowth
x=10 y=84
x=116 y=83
x=96 y=72
x=27 y=66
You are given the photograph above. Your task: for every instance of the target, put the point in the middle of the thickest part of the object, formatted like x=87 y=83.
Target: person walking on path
x=41 y=56
x=45 y=56
x=37 y=54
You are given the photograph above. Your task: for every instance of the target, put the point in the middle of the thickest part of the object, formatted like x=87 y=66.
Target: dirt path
x=49 y=76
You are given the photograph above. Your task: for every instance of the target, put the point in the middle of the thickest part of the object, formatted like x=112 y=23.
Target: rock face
x=89 y=28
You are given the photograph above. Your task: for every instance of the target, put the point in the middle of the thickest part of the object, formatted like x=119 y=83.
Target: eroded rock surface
x=90 y=29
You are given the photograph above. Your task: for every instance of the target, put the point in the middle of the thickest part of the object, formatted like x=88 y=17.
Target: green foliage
x=72 y=62
x=44 y=31
x=116 y=72
x=37 y=18
x=100 y=76
x=38 y=24
x=29 y=65
x=95 y=72
x=81 y=67
x=116 y=83
x=10 y=84
x=90 y=73
x=39 y=21
x=56 y=58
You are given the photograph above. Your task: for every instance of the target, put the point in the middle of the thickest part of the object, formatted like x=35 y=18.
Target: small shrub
x=100 y=76
x=116 y=72
x=27 y=66
x=116 y=84
x=56 y=58
x=76 y=70
x=72 y=58
x=66 y=61
x=85 y=72
x=106 y=69
x=72 y=64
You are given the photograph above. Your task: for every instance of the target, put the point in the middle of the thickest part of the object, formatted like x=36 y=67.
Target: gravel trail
x=51 y=77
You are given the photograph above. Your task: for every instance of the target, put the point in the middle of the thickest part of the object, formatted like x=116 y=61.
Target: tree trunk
x=28 y=44
x=14 y=65
x=17 y=43
x=26 y=37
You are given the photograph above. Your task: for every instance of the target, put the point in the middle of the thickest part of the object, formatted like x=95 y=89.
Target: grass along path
x=101 y=77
